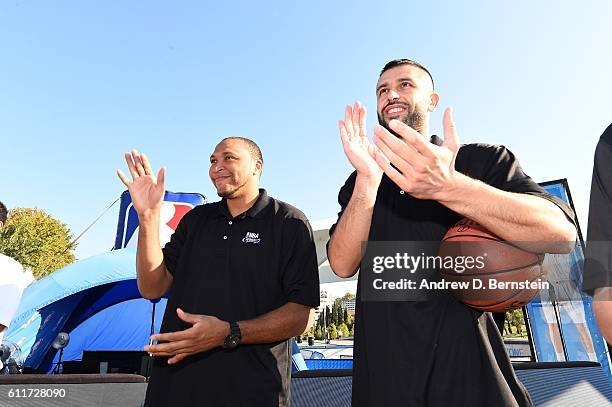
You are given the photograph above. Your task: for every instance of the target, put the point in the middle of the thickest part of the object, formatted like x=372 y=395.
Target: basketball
x=501 y=276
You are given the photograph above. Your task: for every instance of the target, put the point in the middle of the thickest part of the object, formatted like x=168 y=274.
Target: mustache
x=406 y=105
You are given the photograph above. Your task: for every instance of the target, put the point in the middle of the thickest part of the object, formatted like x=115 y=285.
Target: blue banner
x=561 y=319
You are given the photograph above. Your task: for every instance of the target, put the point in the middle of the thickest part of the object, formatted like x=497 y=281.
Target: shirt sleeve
x=598 y=257
x=344 y=196
x=300 y=269
x=10 y=294
x=502 y=170
x=173 y=249
x=10 y=288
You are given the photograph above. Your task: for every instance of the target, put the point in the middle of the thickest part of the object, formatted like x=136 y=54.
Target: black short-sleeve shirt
x=598 y=260
x=235 y=269
x=437 y=352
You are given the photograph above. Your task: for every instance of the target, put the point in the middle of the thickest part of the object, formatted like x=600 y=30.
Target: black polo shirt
x=235 y=269
x=598 y=261
x=437 y=352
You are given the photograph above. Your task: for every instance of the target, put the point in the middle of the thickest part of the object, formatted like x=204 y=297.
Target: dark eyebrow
x=402 y=79
x=406 y=79
x=224 y=152
x=380 y=86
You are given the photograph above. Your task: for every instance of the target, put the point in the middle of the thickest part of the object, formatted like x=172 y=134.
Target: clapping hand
x=422 y=169
x=357 y=147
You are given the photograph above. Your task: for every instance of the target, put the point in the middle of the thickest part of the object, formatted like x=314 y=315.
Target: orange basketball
x=503 y=276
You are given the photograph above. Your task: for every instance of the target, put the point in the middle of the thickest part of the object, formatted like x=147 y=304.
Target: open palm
x=146 y=189
x=357 y=147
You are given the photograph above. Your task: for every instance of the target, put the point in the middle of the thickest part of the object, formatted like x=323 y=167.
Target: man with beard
x=244 y=279
x=412 y=186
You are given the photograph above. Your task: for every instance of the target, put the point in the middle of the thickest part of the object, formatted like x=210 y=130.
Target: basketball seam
x=480 y=236
x=504 y=242
x=488 y=273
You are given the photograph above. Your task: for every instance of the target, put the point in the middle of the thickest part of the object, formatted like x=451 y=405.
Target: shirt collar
x=255 y=211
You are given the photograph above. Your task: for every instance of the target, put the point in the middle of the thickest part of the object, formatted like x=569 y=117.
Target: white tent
x=320 y=229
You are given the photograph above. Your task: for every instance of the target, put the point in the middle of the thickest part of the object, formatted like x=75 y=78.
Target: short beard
x=415 y=119
x=230 y=194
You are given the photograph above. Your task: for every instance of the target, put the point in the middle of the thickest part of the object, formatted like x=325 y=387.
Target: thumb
x=161 y=177
x=187 y=317
x=451 y=141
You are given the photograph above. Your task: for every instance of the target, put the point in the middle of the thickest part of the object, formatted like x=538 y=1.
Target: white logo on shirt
x=251 y=237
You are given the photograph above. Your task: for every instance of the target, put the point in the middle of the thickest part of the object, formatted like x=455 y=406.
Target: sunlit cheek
x=211 y=171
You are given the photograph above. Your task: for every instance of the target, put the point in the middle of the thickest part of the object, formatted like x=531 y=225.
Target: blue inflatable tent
x=95 y=300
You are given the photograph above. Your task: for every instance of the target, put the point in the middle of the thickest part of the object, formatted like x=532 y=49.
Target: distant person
x=12 y=282
x=598 y=262
x=244 y=279
x=413 y=186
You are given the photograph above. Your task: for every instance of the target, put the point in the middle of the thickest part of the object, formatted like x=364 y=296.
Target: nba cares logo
x=251 y=237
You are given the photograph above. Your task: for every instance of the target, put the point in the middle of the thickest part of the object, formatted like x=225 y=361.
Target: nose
x=392 y=95
x=216 y=167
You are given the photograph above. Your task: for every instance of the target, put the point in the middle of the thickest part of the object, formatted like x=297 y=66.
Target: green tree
x=516 y=322
x=329 y=317
x=348 y=297
x=320 y=319
x=345 y=331
x=311 y=332
x=37 y=241
x=350 y=321
x=318 y=333
x=340 y=315
x=333 y=332
x=337 y=311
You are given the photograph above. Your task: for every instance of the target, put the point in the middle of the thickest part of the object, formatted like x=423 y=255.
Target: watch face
x=232 y=342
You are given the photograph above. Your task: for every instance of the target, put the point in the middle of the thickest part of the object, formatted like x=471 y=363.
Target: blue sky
x=82 y=82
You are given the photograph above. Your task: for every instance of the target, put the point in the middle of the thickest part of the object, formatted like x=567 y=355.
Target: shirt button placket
x=229 y=223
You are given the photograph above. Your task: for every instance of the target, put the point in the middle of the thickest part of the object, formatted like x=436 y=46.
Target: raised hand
x=423 y=169
x=357 y=147
x=146 y=190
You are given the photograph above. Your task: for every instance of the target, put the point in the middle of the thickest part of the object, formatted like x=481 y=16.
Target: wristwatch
x=233 y=339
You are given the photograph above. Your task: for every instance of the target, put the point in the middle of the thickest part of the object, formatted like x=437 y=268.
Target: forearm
x=602 y=308
x=153 y=279
x=284 y=322
x=520 y=218
x=345 y=245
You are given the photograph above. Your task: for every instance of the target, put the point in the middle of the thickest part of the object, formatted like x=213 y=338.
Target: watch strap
x=235 y=329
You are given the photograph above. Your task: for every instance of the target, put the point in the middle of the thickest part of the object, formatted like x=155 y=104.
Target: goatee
x=414 y=119
x=231 y=193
